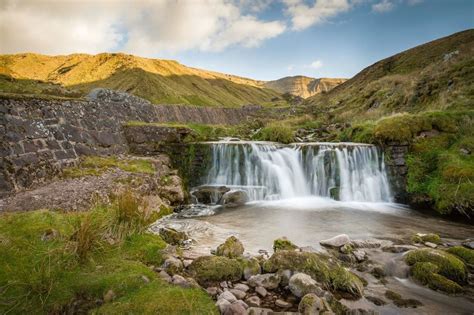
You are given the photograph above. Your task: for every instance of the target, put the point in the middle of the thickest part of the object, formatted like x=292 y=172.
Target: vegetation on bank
x=96 y=262
x=97 y=165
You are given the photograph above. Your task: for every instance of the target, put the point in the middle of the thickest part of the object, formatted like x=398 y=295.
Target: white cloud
x=290 y=68
x=304 y=16
x=316 y=64
x=383 y=6
x=414 y=2
x=144 y=27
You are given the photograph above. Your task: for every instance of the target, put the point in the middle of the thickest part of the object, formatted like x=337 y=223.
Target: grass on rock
x=97 y=165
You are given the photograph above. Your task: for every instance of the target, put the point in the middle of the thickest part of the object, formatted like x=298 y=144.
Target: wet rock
x=261 y=291
x=209 y=194
x=223 y=305
x=268 y=281
x=173 y=265
x=311 y=304
x=231 y=248
x=285 y=276
x=238 y=294
x=227 y=295
x=360 y=255
x=173 y=237
x=253 y=301
x=109 y=296
x=241 y=287
x=377 y=301
x=283 y=244
x=469 y=244
x=234 y=198
x=401 y=302
x=336 y=241
x=282 y=303
x=421 y=238
x=431 y=245
x=398 y=248
x=366 y=243
x=301 y=284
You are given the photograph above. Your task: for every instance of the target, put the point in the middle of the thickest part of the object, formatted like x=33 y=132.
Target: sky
x=259 y=39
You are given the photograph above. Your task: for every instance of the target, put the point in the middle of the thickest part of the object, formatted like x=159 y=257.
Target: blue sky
x=260 y=39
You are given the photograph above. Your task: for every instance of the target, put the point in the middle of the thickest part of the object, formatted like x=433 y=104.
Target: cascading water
x=348 y=172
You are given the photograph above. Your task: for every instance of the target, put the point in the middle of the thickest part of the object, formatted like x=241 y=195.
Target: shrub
x=275 y=132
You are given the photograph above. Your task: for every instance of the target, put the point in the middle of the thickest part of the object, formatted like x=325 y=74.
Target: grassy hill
x=423 y=97
x=438 y=75
x=159 y=81
x=303 y=86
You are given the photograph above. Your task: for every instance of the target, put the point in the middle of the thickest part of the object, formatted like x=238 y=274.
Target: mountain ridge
x=303 y=86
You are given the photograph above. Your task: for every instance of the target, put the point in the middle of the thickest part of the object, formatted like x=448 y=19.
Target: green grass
x=83 y=258
x=97 y=165
x=276 y=132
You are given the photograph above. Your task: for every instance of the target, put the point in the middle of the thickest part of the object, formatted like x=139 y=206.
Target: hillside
x=303 y=86
x=434 y=76
x=159 y=81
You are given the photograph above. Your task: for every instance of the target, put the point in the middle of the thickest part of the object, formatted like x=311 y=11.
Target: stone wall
x=39 y=137
x=397 y=169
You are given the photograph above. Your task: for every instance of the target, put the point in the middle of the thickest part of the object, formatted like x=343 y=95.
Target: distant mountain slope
x=303 y=86
x=434 y=76
x=160 y=81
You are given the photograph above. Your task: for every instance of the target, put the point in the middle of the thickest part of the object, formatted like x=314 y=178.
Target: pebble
x=238 y=293
x=235 y=309
x=227 y=295
x=282 y=303
x=165 y=276
x=242 y=303
x=253 y=301
x=222 y=305
x=259 y=311
x=241 y=287
x=261 y=291
x=432 y=245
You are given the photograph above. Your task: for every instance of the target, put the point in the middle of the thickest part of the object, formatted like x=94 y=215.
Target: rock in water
x=336 y=241
x=301 y=284
x=173 y=237
x=234 y=198
x=231 y=248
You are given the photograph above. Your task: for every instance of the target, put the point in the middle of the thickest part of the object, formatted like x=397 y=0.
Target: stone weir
x=39 y=137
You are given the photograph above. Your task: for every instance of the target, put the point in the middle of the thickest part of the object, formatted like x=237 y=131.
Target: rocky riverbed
x=424 y=275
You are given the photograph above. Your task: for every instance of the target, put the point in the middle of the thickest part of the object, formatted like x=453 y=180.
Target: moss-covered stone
x=283 y=244
x=464 y=253
x=449 y=265
x=422 y=238
x=231 y=248
x=401 y=302
x=173 y=237
x=342 y=280
x=250 y=267
x=312 y=264
x=427 y=274
x=208 y=269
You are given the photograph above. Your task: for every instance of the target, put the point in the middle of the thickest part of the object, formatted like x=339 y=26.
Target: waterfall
x=348 y=172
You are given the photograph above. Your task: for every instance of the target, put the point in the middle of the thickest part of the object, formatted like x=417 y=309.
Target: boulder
x=240 y=295
x=172 y=236
x=227 y=295
x=234 y=198
x=209 y=194
x=251 y=267
x=336 y=241
x=312 y=304
x=268 y=281
x=231 y=248
x=241 y=287
x=223 y=305
x=206 y=269
x=173 y=265
x=283 y=244
x=301 y=284
x=285 y=276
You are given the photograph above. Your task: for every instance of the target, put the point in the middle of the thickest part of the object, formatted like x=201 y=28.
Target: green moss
x=250 y=267
x=283 y=244
x=431 y=237
x=342 y=280
x=276 y=132
x=208 y=269
x=97 y=165
x=401 y=302
x=449 y=265
x=312 y=264
x=231 y=248
x=464 y=253
x=172 y=236
x=427 y=274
